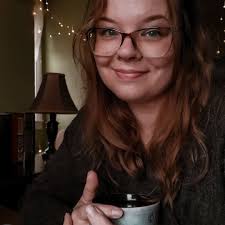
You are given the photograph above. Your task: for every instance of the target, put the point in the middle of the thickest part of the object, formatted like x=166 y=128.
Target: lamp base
x=52 y=129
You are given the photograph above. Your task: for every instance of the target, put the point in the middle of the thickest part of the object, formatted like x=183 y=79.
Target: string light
x=66 y=29
x=220 y=49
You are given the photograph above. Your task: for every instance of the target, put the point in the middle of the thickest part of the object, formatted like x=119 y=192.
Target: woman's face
x=129 y=73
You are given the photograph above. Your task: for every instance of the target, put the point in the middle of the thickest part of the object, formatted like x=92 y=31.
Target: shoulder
x=213 y=115
x=74 y=130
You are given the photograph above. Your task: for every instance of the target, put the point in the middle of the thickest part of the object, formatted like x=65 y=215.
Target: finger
x=109 y=211
x=96 y=217
x=67 y=219
x=90 y=188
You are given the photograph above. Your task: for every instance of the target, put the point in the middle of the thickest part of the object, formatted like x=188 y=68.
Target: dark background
x=212 y=11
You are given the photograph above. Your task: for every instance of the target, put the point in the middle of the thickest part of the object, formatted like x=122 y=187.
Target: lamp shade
x=53 y=96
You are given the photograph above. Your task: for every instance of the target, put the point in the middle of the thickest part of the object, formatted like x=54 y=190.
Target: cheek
x=103 y=66
x=102 y=61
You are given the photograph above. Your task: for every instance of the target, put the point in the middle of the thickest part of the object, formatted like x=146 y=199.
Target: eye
x=107 y=32
x=155 y=33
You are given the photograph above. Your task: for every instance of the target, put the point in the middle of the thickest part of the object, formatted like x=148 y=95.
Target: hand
x=85 y=212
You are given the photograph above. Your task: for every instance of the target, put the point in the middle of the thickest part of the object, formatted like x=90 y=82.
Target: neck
x=146 y=115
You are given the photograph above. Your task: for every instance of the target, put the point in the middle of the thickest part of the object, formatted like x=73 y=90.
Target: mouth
x=129 y=74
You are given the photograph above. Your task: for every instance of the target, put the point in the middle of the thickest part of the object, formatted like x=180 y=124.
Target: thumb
x=90 y=188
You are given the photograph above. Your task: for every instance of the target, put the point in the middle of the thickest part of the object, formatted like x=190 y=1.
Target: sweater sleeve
x=57 y=189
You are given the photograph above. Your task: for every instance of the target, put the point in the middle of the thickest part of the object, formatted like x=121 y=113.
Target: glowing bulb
x=46 y=3
x=47 y=9
x=59 y=33
x=69 y=27
x=34 y=13
x=50 y=36
x=61 y=25
x=73 y=31
x=221 y=18
x=40 y=8
x=39 y=31
x=52 y=17
x=218 y=52
x=69 y=34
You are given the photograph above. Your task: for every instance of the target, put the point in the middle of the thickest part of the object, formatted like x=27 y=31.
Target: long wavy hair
x=111 y=130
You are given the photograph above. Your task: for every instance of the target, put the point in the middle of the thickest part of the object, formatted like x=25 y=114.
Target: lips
x=129 y=74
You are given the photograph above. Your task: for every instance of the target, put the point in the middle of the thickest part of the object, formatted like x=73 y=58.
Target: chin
x=130 y=98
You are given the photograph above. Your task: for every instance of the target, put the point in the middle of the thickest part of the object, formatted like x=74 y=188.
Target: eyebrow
x=148 y=19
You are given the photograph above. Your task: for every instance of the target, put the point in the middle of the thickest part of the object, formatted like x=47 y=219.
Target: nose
x=128 y=50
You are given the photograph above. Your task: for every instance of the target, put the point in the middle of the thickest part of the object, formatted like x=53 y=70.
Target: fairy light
x=66 y=29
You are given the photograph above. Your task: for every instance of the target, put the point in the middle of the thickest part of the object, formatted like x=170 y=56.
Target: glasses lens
x=154 y=42
x=151 y=42
x=104 y=41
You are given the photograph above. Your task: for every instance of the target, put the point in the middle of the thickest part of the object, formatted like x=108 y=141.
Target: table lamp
x=53 y=97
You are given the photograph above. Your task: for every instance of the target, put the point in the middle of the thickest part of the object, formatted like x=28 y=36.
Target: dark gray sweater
x=59 y=187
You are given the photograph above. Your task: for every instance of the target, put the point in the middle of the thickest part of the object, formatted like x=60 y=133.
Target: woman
x=150 y=124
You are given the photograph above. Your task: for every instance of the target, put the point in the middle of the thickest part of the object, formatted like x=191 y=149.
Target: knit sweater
x=59 y=187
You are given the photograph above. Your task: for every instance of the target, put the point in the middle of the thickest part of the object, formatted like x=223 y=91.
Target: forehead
x=135 y=11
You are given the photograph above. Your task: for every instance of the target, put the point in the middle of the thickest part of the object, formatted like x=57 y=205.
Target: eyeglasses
x=151 y=42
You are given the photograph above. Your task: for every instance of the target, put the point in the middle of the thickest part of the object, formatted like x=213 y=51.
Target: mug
x=137 y=210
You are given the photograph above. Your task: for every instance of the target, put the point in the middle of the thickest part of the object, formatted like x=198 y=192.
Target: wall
x=58 y=49
x=16 y=55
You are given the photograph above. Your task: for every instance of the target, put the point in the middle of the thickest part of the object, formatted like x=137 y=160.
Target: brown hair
x=110 y=123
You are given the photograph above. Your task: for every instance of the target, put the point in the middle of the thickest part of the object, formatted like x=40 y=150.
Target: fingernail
x=117 y=213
